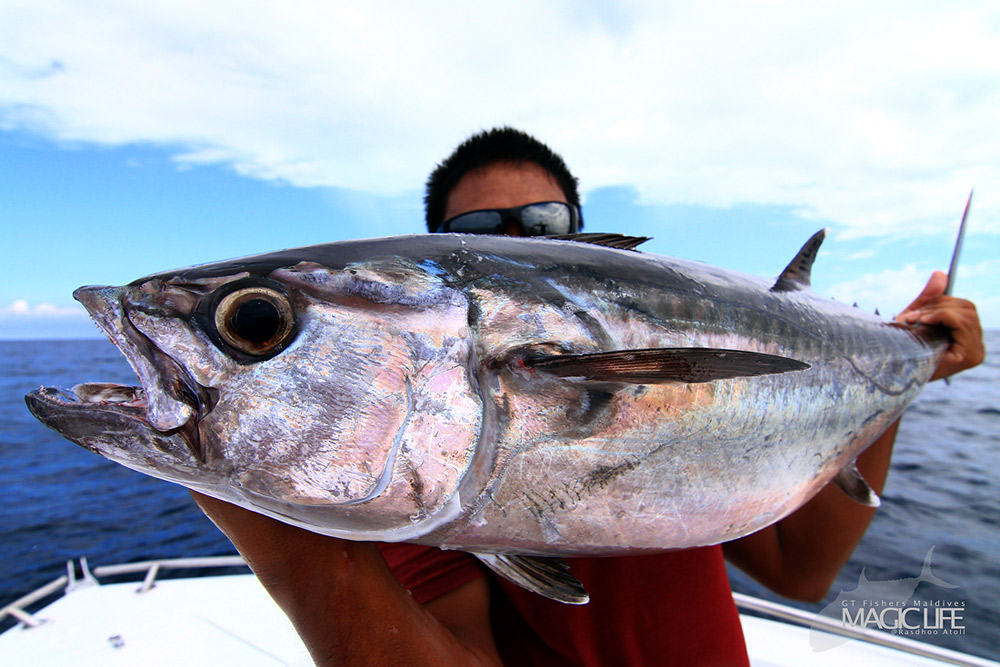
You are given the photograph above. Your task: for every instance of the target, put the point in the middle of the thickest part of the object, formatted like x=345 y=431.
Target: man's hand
x=345 y=602
x=958 y=315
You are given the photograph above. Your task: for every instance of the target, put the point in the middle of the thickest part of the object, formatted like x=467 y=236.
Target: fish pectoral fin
x=851 y=482
x=549 y=577
x=660 y=365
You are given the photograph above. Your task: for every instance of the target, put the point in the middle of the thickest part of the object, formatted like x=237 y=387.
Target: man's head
x=499 y=169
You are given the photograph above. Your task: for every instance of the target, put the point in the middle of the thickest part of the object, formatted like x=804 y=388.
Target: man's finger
x=933 y=289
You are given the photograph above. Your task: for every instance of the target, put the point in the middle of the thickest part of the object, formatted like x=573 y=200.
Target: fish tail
x=958 y=246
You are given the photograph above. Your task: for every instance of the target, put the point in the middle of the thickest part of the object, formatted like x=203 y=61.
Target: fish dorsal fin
x=796 y=275
x=546 y=576
x=660 y=365
x=620 y=241
x=851 y=482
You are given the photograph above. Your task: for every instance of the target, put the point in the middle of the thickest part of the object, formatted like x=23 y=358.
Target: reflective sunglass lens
x=539 y=219
x=476 y=222
x=547 y=218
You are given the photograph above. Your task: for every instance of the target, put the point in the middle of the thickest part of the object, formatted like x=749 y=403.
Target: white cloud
x=21 y=309
x=878 y=117
x=890 y=291
x=867 y=253
x=23 y=321
x=18 y=308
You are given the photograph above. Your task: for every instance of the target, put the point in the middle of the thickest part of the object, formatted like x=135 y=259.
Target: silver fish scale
x=406 y=409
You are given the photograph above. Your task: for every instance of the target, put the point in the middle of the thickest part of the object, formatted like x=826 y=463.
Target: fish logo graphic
x=892 y=593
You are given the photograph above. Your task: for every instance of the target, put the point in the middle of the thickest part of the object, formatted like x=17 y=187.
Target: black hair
x=501 y=144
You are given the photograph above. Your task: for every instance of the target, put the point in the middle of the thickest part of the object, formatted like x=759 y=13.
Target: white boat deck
x=213 y=620
x=231 y=620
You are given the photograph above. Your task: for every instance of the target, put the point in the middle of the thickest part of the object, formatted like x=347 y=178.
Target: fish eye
x=255 y=320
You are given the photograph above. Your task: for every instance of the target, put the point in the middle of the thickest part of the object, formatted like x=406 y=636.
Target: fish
x=523 y=400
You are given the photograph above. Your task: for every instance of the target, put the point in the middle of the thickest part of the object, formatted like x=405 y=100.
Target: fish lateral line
x=663 y=365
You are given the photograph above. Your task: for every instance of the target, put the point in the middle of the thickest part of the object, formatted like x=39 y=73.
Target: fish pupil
x=256 y=320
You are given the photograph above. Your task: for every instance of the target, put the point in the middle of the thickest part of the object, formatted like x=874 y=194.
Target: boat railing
x=870 y=635
x=70 y=582
x=151 y=570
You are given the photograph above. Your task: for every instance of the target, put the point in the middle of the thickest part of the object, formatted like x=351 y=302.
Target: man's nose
x=511 y=227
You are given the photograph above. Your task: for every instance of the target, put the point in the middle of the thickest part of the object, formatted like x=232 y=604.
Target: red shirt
x=674 y=608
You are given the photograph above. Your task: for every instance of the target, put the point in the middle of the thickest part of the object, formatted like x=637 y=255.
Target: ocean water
x=61 y=502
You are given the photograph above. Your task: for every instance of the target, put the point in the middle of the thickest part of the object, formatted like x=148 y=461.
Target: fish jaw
x=169 y=399
x=120 y=432
x=151 y=428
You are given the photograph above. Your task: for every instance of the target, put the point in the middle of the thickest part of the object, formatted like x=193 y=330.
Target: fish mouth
x=163 y=413
x=90 y=413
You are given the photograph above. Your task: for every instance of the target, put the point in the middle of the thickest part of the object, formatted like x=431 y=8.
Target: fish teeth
x=105 y=392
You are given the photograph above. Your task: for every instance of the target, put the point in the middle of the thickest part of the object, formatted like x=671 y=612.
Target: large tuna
x=514 y=397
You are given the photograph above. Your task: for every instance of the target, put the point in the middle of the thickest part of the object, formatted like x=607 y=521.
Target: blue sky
x=151 y=135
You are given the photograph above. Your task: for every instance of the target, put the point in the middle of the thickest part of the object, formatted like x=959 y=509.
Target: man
x=667 y=608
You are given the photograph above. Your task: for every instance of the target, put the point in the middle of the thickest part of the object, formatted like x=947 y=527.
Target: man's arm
x=345 y=602
x=800 y=556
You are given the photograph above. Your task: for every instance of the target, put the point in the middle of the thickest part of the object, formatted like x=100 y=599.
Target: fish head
x=338 y=399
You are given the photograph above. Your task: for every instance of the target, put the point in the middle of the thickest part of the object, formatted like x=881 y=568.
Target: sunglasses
x=544 y=218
